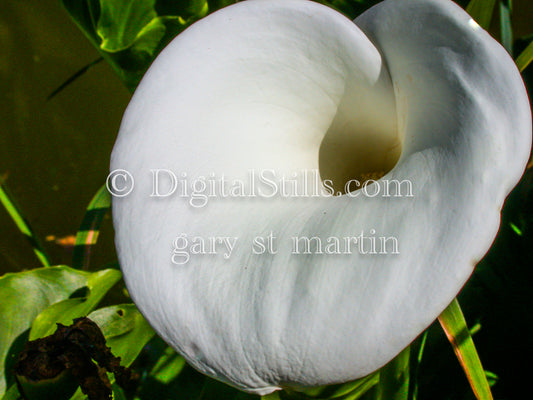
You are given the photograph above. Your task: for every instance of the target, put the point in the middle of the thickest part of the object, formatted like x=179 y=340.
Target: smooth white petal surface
x=259 y=85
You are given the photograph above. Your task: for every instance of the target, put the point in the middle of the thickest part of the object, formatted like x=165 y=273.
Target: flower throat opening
x=349 y=156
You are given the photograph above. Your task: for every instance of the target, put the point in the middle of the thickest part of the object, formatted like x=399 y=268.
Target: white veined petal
x=258 y=86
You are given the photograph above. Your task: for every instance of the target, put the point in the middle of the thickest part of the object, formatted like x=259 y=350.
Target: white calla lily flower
x=414 y=91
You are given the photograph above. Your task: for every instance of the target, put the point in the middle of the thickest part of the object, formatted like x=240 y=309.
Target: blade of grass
x=87 y=235
x=523 y=61
x=417 y=350
x=506 y=7
x=394 y=378
x=481 y=11
x=454 y=325
x=24 y=227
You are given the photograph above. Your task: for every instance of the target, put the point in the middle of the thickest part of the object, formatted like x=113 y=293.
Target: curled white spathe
x=412 y=88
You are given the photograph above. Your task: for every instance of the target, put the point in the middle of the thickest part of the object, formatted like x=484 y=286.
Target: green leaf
x=125 y=329
x=345 y=391
x=24 y=227
x=118 y=393
x=90 y=227
x=13 y=393
x=394 y=378
x=150 y=36
x=454 y=325
x=64 y=312
x=168 y=367
x=271 y=396
x=505 y=25
x=85 y=14
x=122 y=22
x=129 y=33
x=516 y=229
x=417 y=348
x=525 y=57
x=24 y=296
x=198 y=8
x=358 y=388
x=491 y=377
x=481 y=11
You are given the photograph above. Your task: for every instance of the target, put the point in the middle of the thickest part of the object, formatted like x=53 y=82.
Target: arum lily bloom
x=411 y=91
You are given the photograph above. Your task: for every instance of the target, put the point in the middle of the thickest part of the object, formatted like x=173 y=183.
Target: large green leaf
x=149 y=37
x=125 y=329
x=454 y=325
x=64 y=312
x=122 y=22
x=130 y=33
x=85 y=14
x=24 y=296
